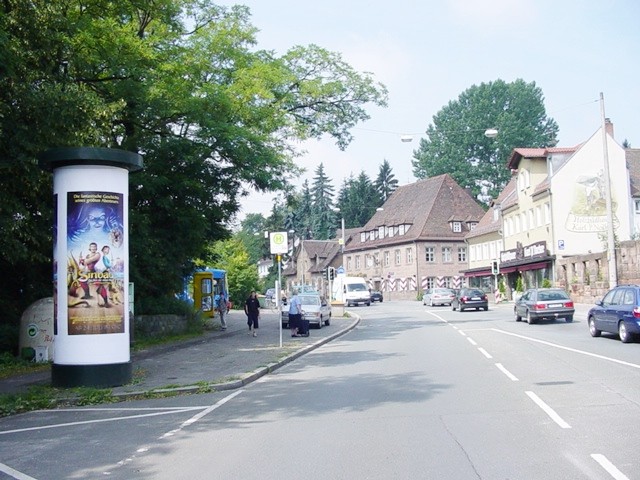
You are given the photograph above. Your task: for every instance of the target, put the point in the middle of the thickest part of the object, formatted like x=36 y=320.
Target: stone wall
x=586 y=277
x=159 y=325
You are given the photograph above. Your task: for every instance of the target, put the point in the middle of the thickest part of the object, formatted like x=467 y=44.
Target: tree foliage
x=242 y=275
x=180 y=81
x=322 y=213
x=456 y=144
x=385 y=183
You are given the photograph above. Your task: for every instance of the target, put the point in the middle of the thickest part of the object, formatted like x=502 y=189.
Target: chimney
x=608 y=126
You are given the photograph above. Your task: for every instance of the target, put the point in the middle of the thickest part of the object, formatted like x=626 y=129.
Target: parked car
x=438 y=296
x=544 y=304
x=314 y=308
x=618 y=312
x=376 y=296
x=470 y=298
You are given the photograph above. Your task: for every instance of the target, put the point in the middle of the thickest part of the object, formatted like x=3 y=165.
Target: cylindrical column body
x=91 y=266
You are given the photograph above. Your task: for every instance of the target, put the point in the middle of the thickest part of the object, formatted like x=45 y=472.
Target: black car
x=544 y=304
x=470 y=298
x=376 y=296
x=618 y=312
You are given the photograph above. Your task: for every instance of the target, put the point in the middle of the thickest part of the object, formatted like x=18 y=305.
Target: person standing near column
x=252 y=310
x=295 y=313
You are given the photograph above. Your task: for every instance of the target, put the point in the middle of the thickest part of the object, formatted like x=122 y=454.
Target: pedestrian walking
x=220 y=301
x=252 y=311
x=295 y=313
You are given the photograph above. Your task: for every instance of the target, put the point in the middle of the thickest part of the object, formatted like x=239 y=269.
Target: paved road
x=410 y=392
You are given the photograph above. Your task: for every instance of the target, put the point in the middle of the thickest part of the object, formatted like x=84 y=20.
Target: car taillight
x=568 y=304
x=539 y=306
x=636 y=312
x=463 y=299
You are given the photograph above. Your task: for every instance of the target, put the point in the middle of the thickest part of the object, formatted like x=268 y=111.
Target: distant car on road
x=544 y=304
x=470 y=298
x=438 y=296
x=376 y=296
x=618 y=312
x=314 y=308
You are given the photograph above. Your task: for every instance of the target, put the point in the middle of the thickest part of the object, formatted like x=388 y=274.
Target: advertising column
x=91 y=265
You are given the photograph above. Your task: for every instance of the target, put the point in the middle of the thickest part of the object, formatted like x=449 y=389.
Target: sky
x=428 y=52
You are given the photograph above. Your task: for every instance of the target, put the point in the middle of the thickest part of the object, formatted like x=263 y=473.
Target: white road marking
x=548 y=410
x=484 y=352
x=511 y=376
x=100 y=420
x=609 y=467
x=472 y=341
x=569 y=349
x=156 y=412
x=14 y=473
x=462 y=333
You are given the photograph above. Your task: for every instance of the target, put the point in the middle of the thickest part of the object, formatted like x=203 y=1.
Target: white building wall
x=579 y=199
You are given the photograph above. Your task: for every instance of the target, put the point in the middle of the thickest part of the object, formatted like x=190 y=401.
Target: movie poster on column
x=95 y=249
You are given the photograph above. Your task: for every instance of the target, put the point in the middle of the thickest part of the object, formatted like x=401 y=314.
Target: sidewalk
x=220 y=360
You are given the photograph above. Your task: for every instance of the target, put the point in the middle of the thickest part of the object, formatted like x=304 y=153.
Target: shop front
x=526 y=267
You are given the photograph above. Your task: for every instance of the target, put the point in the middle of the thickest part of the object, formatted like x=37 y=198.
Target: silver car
x=314 y=308
x=544 y=304
x=438 y=296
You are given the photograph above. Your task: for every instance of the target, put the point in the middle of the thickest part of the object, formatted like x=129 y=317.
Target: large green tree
x=179 y=81
x=385 y=183
x=358 y=200
x=322 y=213
x=456 y=143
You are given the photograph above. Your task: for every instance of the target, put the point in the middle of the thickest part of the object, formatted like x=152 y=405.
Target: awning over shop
x=478 y=273
x=533 y=266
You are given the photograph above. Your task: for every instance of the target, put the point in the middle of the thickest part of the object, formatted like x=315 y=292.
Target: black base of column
x=97 y=376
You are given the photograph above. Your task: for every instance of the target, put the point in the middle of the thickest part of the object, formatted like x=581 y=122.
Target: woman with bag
x=252 y=311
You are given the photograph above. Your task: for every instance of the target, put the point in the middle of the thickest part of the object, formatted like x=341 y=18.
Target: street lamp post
x=611 y=247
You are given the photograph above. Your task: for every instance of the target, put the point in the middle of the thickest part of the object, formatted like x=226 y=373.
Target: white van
x=351 y=290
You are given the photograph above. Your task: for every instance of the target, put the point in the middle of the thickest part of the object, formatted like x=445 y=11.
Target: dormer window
x=473 y=225
x=363 y=237
x=456 y=226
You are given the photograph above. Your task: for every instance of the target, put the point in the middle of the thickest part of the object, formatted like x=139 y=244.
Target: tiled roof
x=520 y=153
x=487 y=224
x=633 y=164
x=428 y=206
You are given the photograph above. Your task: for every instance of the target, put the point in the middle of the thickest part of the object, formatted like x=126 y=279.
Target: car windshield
x=356 y=287
x=443 y=291
x=474 y=293
x=550 y=296
x=309 y=300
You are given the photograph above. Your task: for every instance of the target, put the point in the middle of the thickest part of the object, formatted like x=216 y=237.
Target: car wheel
x=368 y=304
x=515 y=314
x=530 y=319
x=431 y=302
x=381 y=300
x=625 y=336
x=461 y=309
x=321 y=322
x=327 y=322
x=485 y=308
x=592 y=328
x=569 y=319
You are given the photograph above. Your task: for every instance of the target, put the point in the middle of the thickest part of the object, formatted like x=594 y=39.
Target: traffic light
x=332 y=273
x=495 y=267
x=325 y=273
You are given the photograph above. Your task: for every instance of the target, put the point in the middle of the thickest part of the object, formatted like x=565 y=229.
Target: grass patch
x=11 y=366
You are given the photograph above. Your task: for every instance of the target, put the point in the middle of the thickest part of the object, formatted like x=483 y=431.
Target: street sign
x=278 y=242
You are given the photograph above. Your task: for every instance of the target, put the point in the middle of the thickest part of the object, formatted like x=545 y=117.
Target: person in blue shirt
x=295 y=313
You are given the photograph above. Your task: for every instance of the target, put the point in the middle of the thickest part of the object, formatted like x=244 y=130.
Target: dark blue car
x=618 y=312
